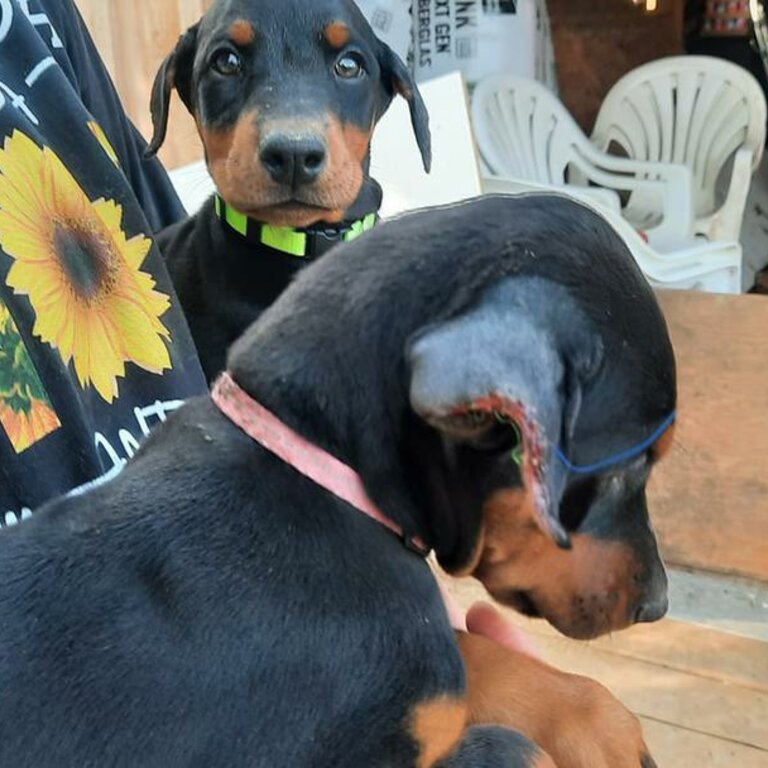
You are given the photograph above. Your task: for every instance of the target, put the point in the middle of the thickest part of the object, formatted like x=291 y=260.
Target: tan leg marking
x=437 y=727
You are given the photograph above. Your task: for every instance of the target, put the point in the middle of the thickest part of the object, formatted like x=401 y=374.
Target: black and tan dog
x=214 y=606
x=286 y=96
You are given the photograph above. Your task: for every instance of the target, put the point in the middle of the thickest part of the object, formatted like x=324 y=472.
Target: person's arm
x=94 y=348
x=82 y=64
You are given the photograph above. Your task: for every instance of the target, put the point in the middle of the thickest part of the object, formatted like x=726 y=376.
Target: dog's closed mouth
x=527 y=607
x=291 y=206
x=300 y=205
x=522 y=602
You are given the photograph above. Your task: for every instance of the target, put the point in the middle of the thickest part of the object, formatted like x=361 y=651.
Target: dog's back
x=165 y=619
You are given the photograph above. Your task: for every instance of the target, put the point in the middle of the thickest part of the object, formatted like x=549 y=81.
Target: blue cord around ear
x=619 y=458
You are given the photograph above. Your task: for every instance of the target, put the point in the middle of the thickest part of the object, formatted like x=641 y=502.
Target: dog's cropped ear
x=398 y=79
x=520 y=357
x=174 y=72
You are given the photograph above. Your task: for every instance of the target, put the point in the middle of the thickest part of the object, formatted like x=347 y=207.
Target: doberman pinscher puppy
x=497 y=390
x=286 y=96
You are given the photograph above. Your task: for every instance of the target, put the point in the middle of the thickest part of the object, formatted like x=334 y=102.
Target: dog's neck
x=297 y=388
x=305 y=457
x=312 y=241
x=368 y=200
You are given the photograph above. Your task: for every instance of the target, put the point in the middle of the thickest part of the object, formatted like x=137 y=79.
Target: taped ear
x=399 y=80
x=510 y=358
x=174 y=72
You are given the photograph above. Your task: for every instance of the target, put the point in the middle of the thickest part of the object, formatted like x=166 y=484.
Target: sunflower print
x=101 y=137
x=81 y=274
x=26 y=414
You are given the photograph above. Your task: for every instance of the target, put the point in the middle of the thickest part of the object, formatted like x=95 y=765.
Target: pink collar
x=312 y=462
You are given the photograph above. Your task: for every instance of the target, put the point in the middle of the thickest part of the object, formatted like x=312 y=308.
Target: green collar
x=304 y=243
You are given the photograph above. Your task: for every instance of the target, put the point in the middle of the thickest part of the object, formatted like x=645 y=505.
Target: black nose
x=293 y=160
x=653 y=610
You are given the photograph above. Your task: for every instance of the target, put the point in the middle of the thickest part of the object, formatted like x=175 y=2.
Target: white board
x=396 y=162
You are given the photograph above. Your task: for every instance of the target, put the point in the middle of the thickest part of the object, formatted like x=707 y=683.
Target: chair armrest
x=666 y=188
x=689 y=261
x=725 y=223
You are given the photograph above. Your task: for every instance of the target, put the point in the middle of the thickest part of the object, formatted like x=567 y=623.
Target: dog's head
x=286 y=96
x=504 y=383
x=546 y=432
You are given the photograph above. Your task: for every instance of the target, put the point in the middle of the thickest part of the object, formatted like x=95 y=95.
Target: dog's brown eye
x=227 y=62
x=350 y=66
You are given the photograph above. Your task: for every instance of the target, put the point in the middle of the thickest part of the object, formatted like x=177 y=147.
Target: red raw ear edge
x=533 y=469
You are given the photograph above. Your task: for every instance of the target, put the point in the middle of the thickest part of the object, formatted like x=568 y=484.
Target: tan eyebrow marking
x=242 y=32
x=337 y=34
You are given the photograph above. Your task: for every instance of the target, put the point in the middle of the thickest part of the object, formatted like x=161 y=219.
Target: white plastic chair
x=523 y=131
x=698 y=111
x=702 y=266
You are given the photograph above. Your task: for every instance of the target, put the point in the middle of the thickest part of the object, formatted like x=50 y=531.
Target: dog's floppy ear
x=522 y=356
x=174 y=72
x=398 y=79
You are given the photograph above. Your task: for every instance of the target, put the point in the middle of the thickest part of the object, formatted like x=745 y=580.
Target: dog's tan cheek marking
x=242 y=33
x=341 y=182
x=605 y=569
x=518 y=555
x=437 y=727
x=337 y=34
x=664 y=444
x=246 y=137
x=217 y=143
x=510 y=530
x=232 y=155
x=357 y=140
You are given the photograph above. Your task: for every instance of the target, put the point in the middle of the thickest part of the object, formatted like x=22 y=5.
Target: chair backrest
x=693 y=110
x=523 y=130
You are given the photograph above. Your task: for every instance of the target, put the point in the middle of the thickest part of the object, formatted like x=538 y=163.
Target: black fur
x=494 y=747
x=224 y=282
x=212 y=607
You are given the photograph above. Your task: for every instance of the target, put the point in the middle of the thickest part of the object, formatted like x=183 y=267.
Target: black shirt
x=94 y=350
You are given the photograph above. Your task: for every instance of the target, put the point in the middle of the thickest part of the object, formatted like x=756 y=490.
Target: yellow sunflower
x=26 y=414
x=81 y=274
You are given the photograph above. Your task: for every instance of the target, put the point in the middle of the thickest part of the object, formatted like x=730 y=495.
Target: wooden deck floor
x=702 y=694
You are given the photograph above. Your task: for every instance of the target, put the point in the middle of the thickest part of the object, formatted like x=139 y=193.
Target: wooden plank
x=141 y=40
x=98 y=19
x=133 y=37
x=684 y=700
x=190 y=11
x=649 y=687
x=677 y=645
x=673 y=746
x=709 y=497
